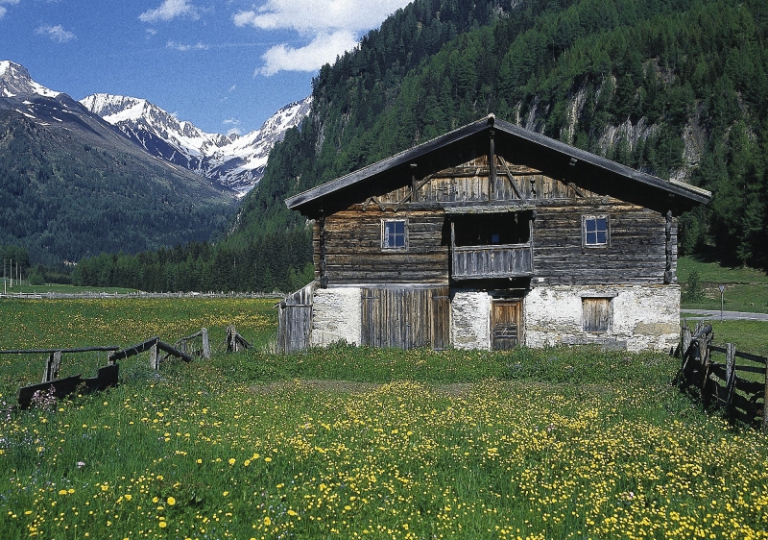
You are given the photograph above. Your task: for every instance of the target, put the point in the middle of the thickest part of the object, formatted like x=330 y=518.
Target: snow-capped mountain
x=234 y=162
x=15 y=81
x=78 y=186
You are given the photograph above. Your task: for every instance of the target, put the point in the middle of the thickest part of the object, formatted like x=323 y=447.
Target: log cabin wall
x=635 y=254
x=348 y=243
x=352 y=246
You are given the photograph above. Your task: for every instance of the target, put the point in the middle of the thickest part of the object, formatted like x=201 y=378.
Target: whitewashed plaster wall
x=642 y=317
x=336 y=315
x=471 y=320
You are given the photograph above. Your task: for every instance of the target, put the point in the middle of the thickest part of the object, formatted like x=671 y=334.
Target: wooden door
x=405 y=318
x=506 y=327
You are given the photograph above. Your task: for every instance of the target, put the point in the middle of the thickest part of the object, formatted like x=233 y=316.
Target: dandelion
x=171 y=501
x=232 y=461
x=267 y=521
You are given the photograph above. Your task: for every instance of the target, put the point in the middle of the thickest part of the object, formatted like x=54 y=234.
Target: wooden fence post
x=232 y=345
x=765 y=400
x=730 y=377
x=206 y=344
x=154 y=357
x=52 y=366
x=704 y=359
x=686 y=340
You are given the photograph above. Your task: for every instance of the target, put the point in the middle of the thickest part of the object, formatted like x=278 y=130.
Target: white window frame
x=595 y=217
x=385 y=235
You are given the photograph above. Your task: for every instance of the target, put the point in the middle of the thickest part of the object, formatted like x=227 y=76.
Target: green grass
x=354 y=442
x=746 y=289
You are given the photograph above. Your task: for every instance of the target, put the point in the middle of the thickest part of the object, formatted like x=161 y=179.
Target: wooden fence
x=185 y=348
x=718 y=383
x=139 y=294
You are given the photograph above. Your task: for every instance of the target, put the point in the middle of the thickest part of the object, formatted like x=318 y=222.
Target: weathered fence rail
x=718 y=383
x=97 y=295
x=186 y=348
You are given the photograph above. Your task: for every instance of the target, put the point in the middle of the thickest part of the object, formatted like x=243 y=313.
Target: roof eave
x=693 y=193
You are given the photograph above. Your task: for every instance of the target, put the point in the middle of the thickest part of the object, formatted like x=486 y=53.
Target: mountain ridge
x=72 y=185
x=235 y=162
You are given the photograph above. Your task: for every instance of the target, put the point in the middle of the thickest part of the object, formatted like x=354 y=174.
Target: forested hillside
x=677 y=88
x=67 y=193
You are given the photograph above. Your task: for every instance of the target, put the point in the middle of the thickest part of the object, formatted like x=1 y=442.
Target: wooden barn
x=488 y=237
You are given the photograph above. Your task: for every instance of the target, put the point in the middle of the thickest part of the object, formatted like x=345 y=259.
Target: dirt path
x=714 y=314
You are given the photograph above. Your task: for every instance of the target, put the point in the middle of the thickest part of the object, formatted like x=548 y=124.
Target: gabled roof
x=551 y=149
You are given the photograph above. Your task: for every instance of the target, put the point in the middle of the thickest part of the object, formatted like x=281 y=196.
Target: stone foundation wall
x=336 y=315
x=642 y=317
x=471 y=320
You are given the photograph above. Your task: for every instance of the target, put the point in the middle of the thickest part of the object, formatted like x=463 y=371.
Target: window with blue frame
x=394 y=234
x=596 y=231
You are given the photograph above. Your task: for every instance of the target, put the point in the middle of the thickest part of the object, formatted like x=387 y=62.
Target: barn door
x=405 y=318
x=506 y=318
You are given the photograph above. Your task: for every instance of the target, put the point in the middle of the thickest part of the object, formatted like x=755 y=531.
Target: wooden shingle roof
x=545 y=152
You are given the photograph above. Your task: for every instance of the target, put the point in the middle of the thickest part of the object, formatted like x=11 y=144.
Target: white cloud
x=184 y=47
x=334 y=26
x=55 y=33
x=323 y=49
x=315 y=16
x=168 y=10
x=4 y=10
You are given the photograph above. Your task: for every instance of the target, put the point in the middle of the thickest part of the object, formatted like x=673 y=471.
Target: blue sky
x=221 y=64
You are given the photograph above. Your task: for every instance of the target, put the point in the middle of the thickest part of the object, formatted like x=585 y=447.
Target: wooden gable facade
x=481 y=237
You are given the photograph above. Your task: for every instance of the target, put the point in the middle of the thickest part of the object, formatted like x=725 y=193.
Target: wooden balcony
x=489 y=262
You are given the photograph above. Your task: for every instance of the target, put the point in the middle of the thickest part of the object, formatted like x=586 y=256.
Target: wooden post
x=765 y=401
x=414 y=186
x=52 y=366
x=56 y=365
x=730 y=377
x=231 y=342
x=154 y=357
x=669 y=275
x=704 y=359
x=48 y=368
x=686 y=340
x=206 y=344
x=492 y=166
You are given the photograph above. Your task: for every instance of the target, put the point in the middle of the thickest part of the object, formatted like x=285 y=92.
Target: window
x=595 y=231
x=597 y=314
x=393 y=234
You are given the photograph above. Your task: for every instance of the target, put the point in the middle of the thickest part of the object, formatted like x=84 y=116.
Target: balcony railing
x=496 y=261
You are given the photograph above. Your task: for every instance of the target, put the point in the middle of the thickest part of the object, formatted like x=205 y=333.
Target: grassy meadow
x=746 y=289
x=353 y=442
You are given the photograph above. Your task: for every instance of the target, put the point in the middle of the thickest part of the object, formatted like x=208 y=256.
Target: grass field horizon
x=352 y=442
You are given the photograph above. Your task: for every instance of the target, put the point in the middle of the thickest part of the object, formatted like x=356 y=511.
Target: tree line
x=676 y=88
